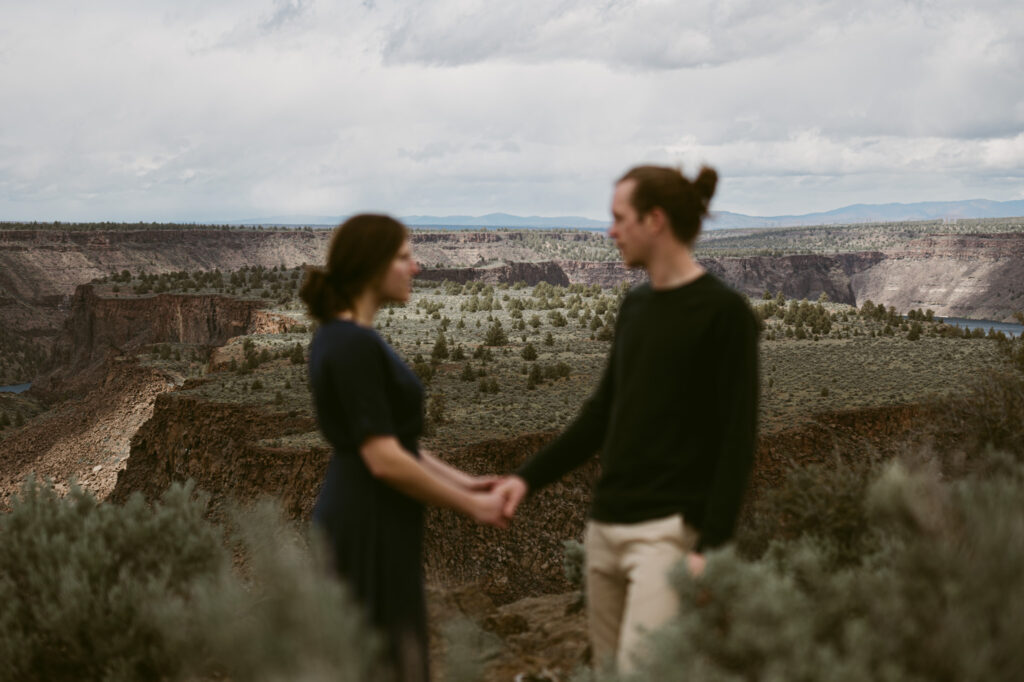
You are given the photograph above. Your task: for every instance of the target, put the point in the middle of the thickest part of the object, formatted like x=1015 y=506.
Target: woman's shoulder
x=348 y=337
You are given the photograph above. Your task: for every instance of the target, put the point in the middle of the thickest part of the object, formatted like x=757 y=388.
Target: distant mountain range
x=489 y=220
x=876 y=213
x=857 y=213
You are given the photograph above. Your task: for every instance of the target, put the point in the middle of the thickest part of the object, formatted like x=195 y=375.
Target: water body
x=17 y=388
x=1008 y=328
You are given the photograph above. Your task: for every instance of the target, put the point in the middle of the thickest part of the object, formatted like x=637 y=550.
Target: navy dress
x=361 y=388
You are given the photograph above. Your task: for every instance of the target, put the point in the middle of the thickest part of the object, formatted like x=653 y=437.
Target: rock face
x=39 y=263
x=798 y=276
x=99 y=326
x=88 y=438
x=217 y=445
x=604 y=274
x=40 y=269
x=509 y=273
x=978 y=276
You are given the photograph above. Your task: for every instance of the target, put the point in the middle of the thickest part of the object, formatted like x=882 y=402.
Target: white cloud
x=120 y=110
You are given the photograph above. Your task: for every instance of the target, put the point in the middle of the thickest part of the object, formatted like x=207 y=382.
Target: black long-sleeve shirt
x=675 y=413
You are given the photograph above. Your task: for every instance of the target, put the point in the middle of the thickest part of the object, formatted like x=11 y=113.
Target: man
x=674 y=417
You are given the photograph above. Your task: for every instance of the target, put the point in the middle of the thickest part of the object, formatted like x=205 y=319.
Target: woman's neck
x=364 y=309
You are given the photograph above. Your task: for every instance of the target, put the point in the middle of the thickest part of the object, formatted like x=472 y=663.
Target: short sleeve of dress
x=359 y=375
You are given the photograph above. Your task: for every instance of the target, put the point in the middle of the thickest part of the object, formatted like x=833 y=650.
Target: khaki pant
x=628 y=592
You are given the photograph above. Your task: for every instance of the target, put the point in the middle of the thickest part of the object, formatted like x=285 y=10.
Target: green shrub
x=104 y=592
x=824 y=502
x=495 y=335
x=937 y=600
x=79 y=578
x=440 y=350
x=573 y=562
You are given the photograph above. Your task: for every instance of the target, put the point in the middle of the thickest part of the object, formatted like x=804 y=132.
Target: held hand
x=483 y=483
x=488 y=509
x=695 y=562
x=512 y=489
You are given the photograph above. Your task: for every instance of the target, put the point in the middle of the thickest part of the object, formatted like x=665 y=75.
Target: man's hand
x=488 y=508
x=513 y=489
x=695 y=562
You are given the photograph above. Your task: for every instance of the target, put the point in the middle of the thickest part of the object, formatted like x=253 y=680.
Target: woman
x=369 y=405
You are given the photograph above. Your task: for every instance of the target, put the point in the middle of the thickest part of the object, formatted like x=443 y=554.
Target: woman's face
x=396 y=284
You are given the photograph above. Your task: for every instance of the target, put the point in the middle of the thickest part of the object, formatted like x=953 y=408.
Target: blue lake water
x=17 y=388
x=1008 y=328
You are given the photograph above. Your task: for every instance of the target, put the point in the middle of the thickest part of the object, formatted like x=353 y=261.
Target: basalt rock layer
x=100 y=326
x=219 y=446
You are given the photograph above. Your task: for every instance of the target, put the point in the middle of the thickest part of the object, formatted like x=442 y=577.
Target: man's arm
x=577 y=443
x=736 y=397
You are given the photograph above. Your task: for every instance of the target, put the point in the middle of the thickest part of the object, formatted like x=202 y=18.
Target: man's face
x=629 y=230
x=396 y=284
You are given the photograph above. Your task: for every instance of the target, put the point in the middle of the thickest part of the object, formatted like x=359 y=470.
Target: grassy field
x=478 y=391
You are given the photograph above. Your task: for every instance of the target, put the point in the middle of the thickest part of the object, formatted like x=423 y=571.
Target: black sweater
x=675 y=414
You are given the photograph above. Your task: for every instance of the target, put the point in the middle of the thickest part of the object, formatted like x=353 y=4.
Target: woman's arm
x=453 y=475
x=388 y=461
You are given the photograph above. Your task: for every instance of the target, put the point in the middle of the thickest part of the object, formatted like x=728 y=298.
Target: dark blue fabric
x=361 y=388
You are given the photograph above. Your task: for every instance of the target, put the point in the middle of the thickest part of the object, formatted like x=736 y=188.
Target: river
x=17 y=388
x=1008 y=328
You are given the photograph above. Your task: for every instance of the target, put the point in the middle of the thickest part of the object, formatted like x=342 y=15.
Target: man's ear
x=658 y=219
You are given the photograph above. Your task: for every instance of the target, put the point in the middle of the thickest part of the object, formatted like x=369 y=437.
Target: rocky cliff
x=218 y=445
x=99 y=326
x=797 y=276
x=39 y=263
x=979 y=276
x=531 y=273
x=40 y=269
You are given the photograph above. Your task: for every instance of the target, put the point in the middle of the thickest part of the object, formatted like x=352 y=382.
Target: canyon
x=120 y=425
x=979 y=276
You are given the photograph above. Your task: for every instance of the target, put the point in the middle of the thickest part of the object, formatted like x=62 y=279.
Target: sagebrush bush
x=990 y=413
x=467 y=648
x=79 y=577
x=821 y=501
x=939 y=598
x=95 y=591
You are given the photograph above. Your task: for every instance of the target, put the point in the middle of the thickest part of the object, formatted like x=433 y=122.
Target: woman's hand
x=482 y=483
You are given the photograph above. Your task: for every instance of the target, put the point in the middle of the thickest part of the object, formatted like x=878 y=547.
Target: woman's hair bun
x=317 y=293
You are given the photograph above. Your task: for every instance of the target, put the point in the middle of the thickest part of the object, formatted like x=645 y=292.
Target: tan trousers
x=628 y=592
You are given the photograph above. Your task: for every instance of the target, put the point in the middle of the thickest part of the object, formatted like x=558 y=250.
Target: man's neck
x=672 y=266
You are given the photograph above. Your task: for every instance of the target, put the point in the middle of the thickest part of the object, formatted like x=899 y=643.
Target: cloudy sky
x=204 y=111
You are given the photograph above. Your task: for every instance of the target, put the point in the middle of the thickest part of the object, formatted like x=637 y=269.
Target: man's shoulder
x=639 y=290
x=726 y=299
